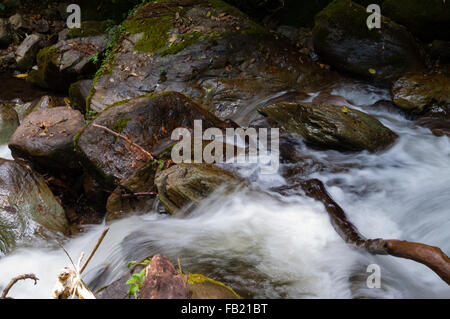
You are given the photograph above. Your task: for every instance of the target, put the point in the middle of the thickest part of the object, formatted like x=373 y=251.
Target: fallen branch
x=141 y=194
x=126 y=139
x=99 y=241
x=430 y=256
x=15 y=280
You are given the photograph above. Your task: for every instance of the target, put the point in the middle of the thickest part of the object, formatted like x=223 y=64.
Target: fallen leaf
x=372 y=71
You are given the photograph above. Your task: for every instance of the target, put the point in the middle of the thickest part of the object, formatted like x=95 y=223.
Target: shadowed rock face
x=146 y=121
x=45 y=138
x=27 y=206
x=213 y=54
x=331 y=126
x=342 y=39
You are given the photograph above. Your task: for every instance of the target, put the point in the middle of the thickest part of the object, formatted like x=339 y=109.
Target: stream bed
x=265 y=245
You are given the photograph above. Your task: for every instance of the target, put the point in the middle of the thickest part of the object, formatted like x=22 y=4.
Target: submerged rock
x=45 y=138
x=210 y=51
x=9 y=121
x=67 y=61
x=202 y=287
x=437 y=119
x=27 y=206
x=342 y=39
x=184 y=186
x=147 y=121
x=415 y=92
x=331 y=126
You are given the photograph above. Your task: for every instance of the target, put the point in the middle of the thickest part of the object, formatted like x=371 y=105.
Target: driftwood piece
x=432 y=257
x=15 y=280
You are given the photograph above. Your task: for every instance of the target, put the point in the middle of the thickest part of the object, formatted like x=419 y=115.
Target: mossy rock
x=202 y=287
x=184 y=186
x=182 y=46
x=331 y=126
x=68 y=61
x=427 y=19
x=343 y=40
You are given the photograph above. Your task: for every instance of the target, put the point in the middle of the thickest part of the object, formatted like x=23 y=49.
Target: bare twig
x=430 y=256
x=126 y=139
x=138 y=194
x=179 y=266
x=99 y=241
x=15 y=280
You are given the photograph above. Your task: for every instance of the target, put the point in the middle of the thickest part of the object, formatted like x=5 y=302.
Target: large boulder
x=332 y=126
x=9 y=121
x=343 y=40
x=27 y=206
x=147 y=121
x=67 y=61
x=184 y=186
x=27 y=50
x=415 y=92
x=211 y=52
x=45 y=138
x=426 y=19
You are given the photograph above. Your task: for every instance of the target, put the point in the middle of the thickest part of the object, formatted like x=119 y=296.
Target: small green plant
x=137 y=280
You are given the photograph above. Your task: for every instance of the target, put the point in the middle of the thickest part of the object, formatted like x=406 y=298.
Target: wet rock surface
x=415 y=92
x=45 y=138
x=214 y=54
x=331 y=126
x=27 y=206
x=185 y=185
x=437 y=119
x=147 y=121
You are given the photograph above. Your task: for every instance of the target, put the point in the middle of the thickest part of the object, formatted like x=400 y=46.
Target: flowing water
x=271 y=246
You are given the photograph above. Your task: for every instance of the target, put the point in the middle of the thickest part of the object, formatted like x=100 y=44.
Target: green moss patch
x=91 y=28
